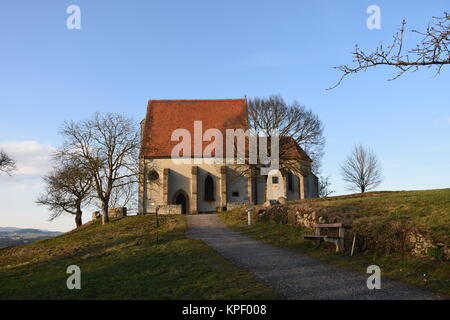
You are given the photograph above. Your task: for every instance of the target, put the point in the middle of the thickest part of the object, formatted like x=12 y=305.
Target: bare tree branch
x=295 y=125
x=324 y=187
x=432 y=51
x=7 y=164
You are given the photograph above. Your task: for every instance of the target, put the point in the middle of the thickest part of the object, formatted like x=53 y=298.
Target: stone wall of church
x=173 y=178
x=237 y=187
x=294 y=193
x=311 y=186
x=164 y=180
x=259 y=191
x=204 y=171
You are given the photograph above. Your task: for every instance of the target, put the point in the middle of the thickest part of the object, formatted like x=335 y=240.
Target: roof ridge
x=194 y=100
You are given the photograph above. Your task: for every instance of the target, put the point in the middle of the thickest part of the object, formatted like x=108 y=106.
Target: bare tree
x=7 y=164
x=125 y=196
x=324 y=187
x=107 y=146
x=432 y=51
x=295 y=125
x=362 y=170
x=68 y=190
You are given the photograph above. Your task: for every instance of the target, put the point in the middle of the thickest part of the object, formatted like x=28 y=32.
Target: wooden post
x=353 y=245
x=249 y=216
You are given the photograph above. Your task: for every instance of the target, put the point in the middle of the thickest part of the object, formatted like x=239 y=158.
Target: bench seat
x=313 y=237
x=332 y=237
x=328 y=225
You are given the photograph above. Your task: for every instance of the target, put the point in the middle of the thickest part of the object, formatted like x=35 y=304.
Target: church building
x=201 y=186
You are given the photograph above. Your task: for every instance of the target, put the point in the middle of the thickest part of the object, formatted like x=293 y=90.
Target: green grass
x=122 y=261
x=428 y=210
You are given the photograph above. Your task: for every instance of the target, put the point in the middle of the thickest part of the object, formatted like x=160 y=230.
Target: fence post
x=249 y=215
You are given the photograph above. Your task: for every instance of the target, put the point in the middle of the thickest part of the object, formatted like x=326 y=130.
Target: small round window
x=153 y=175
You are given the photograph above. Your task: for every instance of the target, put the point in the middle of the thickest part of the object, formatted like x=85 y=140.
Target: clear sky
x=130 y=51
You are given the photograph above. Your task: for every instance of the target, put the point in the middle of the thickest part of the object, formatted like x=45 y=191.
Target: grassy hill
x=428 y=211
x=121 y=260
x=382 y=219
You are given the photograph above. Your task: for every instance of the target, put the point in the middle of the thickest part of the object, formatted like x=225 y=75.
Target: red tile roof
x=164 y=116
x=289 y=149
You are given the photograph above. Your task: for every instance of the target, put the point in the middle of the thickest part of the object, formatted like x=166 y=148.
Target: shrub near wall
x=293 y=215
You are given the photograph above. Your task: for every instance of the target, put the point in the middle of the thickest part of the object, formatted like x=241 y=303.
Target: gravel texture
x=293 y=274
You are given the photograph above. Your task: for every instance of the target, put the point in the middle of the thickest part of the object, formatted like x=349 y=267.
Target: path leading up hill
x=295 y=275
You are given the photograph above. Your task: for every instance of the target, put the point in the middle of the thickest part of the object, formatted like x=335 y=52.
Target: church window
x=153 y=175
x=209 y=188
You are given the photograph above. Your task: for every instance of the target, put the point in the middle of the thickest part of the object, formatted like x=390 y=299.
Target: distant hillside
x=8 y=229
x=10 y=236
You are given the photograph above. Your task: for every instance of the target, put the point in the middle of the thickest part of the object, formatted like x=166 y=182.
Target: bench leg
x=339 y=245
x=318 y=242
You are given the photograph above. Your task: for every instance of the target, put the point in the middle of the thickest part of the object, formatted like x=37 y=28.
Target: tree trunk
x=105 y=208
x=78 y=221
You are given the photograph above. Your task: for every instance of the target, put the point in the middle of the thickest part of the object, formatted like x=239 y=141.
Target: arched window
x=209 y=188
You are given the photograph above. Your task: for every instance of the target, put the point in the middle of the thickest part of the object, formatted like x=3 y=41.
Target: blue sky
x=130 y=51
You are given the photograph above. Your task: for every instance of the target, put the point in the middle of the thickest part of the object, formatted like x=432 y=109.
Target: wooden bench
x=337 y=240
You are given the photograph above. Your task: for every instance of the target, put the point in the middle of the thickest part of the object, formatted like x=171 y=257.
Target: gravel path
x=295 y=275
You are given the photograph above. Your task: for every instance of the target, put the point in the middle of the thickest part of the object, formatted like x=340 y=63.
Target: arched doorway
x=180 y=197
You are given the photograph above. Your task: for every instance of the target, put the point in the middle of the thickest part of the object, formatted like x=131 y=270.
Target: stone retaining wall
x=236 y=205
x=423 y=246
x=170 y=209
x=117 y=212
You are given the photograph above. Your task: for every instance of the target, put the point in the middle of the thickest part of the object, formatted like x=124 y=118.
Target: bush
x=437 y=253
x=278 y=215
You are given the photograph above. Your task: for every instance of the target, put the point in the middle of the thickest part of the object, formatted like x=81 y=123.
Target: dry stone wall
x=236 y=205
x=421 y=246
x=170 y=209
